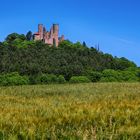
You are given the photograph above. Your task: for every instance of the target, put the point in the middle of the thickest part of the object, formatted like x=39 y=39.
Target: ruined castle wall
x=51 y=38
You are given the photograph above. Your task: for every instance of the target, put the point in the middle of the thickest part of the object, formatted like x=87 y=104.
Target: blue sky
x=114 y=24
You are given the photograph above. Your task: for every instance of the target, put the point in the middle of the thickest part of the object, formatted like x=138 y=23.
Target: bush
x=119 y=76
x=13 y=79
x=34 y=79
x=79 y=79
x=61 y=79
x=109 y=75
x=108 y=79
x=129 y=76
x=47 y=79
x=94 y=76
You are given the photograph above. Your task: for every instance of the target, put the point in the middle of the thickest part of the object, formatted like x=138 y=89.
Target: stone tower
x=40 y=31
x=55 y=34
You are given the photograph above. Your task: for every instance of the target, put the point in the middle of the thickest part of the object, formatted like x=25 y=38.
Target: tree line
x=73 y=62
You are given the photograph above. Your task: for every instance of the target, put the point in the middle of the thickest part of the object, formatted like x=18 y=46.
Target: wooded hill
x=19 y=53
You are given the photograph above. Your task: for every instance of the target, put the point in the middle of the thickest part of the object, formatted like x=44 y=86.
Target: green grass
x=102 y=111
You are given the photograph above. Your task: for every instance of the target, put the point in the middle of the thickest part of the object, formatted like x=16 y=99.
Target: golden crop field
x=102 y=111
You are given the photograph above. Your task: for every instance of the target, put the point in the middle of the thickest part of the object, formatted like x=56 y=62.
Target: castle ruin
x=49 y=37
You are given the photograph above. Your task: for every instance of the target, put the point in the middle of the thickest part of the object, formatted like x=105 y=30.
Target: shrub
x=34 y=79
x=129 y=76
x=13 y=79
x=119 y=76
x=109 y=75
x=108 y=79
x=79 y=79
x=47 y=78
x=61 y=79
x=94 y=76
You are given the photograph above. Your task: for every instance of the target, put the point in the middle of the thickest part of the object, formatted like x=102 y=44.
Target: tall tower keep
x=40 y=31
x=55 y=34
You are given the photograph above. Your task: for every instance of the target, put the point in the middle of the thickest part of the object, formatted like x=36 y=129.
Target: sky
x=113 y=24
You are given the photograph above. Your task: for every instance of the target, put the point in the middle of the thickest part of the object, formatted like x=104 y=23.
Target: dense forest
x=24 y=61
